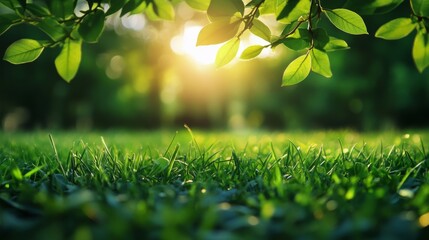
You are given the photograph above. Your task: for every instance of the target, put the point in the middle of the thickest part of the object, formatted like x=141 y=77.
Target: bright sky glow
x=185 y=44
x=135 y=22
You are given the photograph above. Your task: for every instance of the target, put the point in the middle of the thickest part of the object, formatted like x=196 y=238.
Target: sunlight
x=185 y=44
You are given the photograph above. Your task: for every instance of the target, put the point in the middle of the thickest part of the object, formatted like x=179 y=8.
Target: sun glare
x=185 y=44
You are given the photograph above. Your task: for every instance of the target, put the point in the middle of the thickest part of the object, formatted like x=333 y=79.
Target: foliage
x=69 y=23
x=337 y=185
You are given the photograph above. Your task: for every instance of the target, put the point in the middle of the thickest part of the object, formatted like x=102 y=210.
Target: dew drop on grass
x=406 y=193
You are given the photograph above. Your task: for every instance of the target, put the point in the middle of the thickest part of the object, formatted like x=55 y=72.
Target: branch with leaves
x=69 y=23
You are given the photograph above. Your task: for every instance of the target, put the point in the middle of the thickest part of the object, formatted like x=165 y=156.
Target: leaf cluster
x=67 y=25
x=401 y=27
x=70 y=23
x=301 y=33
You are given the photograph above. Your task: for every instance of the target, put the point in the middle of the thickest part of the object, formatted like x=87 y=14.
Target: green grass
x=209 y=185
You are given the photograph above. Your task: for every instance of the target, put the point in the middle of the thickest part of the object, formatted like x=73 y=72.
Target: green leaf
x=62 y=8
x=371 y=7
x=67 y=62
x=251 y=52
x=347 y=21
x=261 y=30
x=320 y=63
x=7 y=21
x=268 y=7
x=201 y=5
x=91 y=3
x=142 y=8
x=227 y=52
x=297 y=70
x=296 y=44
x=149 y=12
x=320 y=37
x=9 y=4
x=289 y=29
x=16 y=5
x=130 y=6
x=396 y=29
x=421 y=51
x=23 y=3
x=420 y=7
x=217 y=32
x=38 y=10
x=299 y=40
x=335 y=44
x=114 y=6
x=23 y=51
x=163 y=9
x=224 y=8
x=253 y=3
x=289 y=11
x=52 y=28
x=92 y=26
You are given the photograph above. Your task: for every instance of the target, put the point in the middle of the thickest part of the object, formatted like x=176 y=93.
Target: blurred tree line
x=132 y=79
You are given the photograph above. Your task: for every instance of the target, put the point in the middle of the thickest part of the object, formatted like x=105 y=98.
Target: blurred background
x=146 y=75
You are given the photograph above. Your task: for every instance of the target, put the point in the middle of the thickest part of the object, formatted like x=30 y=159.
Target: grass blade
x=57 y=158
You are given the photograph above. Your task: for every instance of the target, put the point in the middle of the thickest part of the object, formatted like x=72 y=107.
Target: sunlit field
x=214 y=119
x=210 y=185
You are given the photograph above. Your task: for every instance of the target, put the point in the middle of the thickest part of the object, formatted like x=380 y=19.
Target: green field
x=211 y=185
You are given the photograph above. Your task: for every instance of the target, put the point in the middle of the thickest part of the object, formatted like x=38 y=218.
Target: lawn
x=214 y=185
